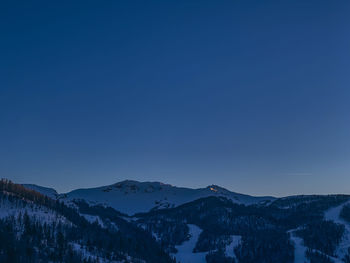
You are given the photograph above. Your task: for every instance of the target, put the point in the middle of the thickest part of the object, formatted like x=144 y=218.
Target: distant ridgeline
x=173 y=225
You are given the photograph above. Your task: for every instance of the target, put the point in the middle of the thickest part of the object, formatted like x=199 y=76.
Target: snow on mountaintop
x=132 y=197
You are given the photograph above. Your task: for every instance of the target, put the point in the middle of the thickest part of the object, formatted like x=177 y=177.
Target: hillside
x=208 y=225
x=37 y=228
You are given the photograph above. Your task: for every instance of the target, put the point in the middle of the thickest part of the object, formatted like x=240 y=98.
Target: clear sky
x=250 y=95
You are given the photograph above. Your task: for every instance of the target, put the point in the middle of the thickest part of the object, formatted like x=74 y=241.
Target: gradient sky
x=250 y=95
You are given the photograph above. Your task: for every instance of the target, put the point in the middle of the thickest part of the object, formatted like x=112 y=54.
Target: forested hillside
x=38 y=228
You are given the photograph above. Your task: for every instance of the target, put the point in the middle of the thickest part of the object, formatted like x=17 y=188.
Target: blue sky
x=250 y=95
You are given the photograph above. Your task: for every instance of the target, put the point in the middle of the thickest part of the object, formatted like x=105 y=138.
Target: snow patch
x=38 y=213
x=333 y=214
x=230 y=248
x=86 y=254
x=299 y=248
x=92 y=219
x=185 y=252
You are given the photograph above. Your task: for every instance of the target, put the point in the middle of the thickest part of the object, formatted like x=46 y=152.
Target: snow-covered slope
x=333 y=214
x=231 y=247
x=299 y=248
x=17 y=207
x=132 y=197
x=50 y=192
x=185 y=252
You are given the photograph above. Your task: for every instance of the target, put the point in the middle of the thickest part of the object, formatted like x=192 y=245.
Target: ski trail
x=299 y=248
x=333 y=214
x=185 y=252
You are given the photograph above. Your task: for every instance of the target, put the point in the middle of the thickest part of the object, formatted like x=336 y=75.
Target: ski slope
x=185 y=251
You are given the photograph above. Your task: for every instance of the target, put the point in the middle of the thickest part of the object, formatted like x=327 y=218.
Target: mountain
x=50 y=192
x=132 y=197
x=170 y=224
x=37 y=228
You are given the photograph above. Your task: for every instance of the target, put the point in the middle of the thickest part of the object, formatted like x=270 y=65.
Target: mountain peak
x=130 y=196
x=217 y=189
x=134 y=182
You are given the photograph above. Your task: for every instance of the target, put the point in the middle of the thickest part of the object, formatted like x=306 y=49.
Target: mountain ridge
x=131 y=196
x=212 y=228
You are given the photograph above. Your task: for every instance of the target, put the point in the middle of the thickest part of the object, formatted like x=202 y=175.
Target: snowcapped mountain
x=37 y=228
x=132 y=197
x=204 y=225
